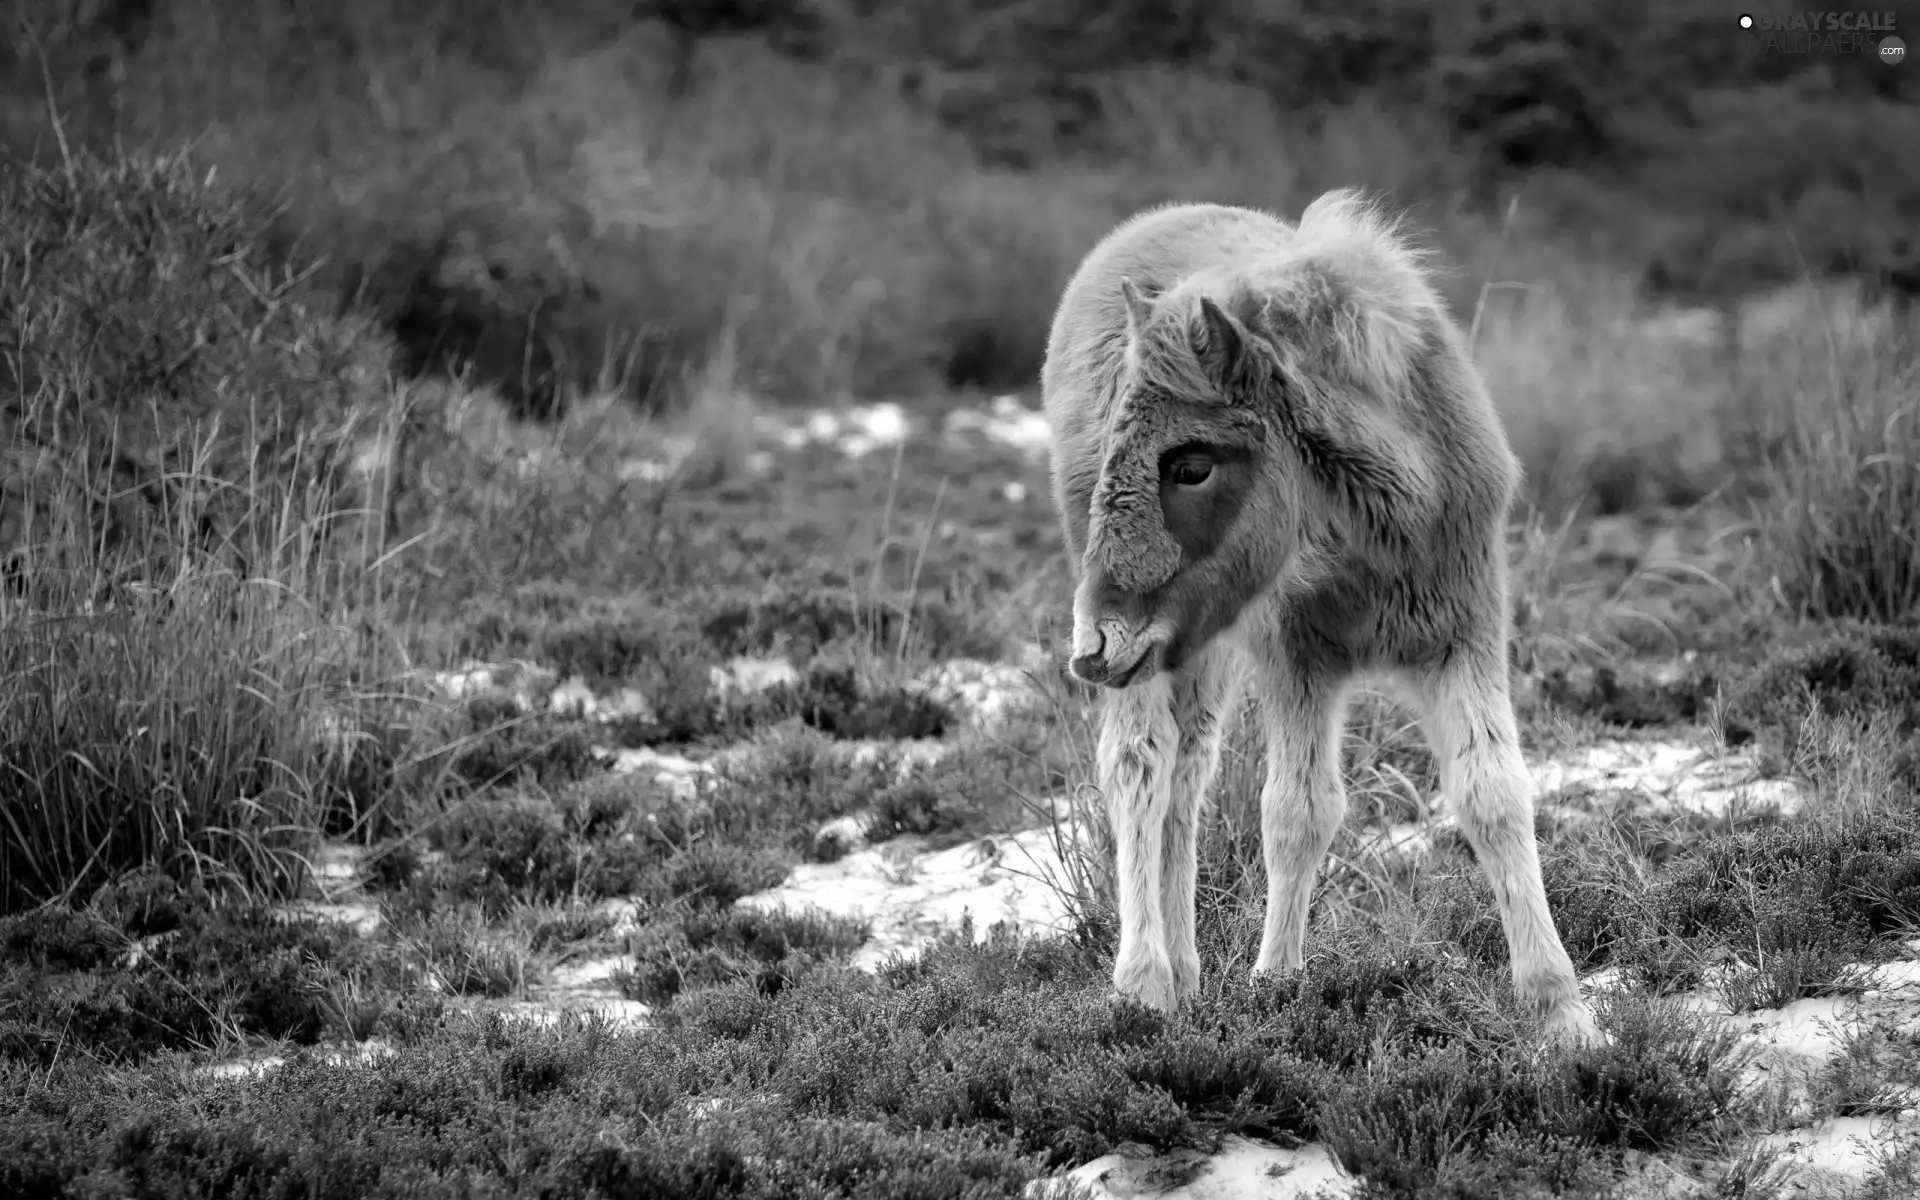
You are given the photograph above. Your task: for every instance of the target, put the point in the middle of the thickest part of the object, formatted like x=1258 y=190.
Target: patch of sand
x=1670 y=776
x=860 y=430
x=987 y=696
x=626 y=1014
x=1676 y=775
x=1006 y=421
x=359 y=1054
x=1242 y=1170
x=910 y=897
x=1836 y=1155
x=362 y=916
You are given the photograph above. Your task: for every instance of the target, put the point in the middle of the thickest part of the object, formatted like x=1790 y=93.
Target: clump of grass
x=835 y=699
x=1830 y=399
x=1847 y=699
x=115 y=984
x=508 y=746
x=1896 y=1174
x=660 y=651
x=606 y=836
x=467 y=957
x=1767 y=914
x=1430 y=1124
x=391 y=752
x=1572 y=614
x=562 y=929
x=142 y=281
x=1786 y=911
x=768 y=950
x=792 y=780
x=800 y=623
x=151 y=734
x=508 y=848
x=618 y=835
x=624 y=640
x=1869 y=1076
x=714 y=874
x=183 y=540
x=982 y=782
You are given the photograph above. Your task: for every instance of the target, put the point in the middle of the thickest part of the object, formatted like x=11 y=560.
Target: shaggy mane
x=1381 y=300
x=1349 y=281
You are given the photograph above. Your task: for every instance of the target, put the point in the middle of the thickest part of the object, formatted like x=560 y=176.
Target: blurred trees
x=457 y=160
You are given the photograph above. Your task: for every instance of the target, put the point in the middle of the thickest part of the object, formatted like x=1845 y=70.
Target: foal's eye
x=1190 y=472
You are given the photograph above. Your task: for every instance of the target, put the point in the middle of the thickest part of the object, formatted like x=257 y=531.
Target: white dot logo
x=1746 y=22
x=1892 y=50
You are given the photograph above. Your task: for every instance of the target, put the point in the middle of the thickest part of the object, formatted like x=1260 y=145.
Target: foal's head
x=1197 y=510
x=1232 y=383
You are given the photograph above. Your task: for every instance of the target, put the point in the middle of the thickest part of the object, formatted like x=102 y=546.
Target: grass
x=178 y=625
x=115 y=982
x=1846 y=476
x=239 y=550
x=1004 y=1058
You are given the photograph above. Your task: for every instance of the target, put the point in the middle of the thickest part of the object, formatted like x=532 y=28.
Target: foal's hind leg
x=1202 y=697
x=1468 y=716
x=1134 y=767
x=1303 y=802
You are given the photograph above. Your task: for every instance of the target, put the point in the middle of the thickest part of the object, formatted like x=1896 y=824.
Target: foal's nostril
x=1089 y=668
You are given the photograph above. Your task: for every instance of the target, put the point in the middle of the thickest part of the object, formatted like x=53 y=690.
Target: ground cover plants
x=258 y=804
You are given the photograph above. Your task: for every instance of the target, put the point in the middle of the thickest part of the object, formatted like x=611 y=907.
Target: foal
x=1276 y=463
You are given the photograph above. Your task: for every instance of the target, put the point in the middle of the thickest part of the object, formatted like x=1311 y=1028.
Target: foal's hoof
x=1148 y=981
x=1572 y=1024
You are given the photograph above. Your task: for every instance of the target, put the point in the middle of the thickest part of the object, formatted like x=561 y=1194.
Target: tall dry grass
x=174 y=699
x=196 y=605
x=1826 y=395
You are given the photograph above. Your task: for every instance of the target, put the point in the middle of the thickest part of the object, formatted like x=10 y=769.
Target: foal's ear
x=1137 y=308
x=1219 y=341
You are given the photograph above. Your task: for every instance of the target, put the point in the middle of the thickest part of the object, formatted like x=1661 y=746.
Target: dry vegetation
x=244 y=513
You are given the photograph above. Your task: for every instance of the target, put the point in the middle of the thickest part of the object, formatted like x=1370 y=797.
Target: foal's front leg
x=1303 y=802
x=1203 y=697
x=1134 y=765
